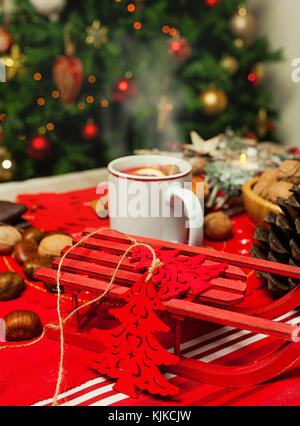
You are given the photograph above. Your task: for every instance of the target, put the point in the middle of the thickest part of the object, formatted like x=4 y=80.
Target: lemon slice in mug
x=149 y=171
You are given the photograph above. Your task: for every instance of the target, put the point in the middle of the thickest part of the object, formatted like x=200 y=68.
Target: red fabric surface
x=29 y=374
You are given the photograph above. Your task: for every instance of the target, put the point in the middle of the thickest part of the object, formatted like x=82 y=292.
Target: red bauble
x=179 y=49
x=90 y=131
x=39 y=148
x=124 y=89
x=68 y=76
x=254 y=78
x=211 y=3
x=5 y=40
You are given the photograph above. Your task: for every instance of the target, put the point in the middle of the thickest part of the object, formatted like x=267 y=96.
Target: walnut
x=217 y=226
x=280 y=189
x=53 y=243
x=198 y=165
x=289 y=171
x=265 y=181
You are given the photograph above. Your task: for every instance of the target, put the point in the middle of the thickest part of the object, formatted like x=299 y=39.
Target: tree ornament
x=177 y=276
x=262 y=122
x=39 y=148
x=90 y=131
x=14 y=63
x=243 y=25
x=7 y=165
x=214 y=100
x=211 y=3
x=124 y=88
x=49 y=8
x=5 y=39
x=133 y=353
x=277 y=240
x=68 y=73
x=179 y=48
x=96 y=34
x=230 y=63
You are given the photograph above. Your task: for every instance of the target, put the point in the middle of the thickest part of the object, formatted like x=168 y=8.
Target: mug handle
x=194 y=213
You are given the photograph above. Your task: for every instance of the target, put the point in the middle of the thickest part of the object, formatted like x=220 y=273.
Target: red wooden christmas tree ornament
x=133 y=353
x=178 y=275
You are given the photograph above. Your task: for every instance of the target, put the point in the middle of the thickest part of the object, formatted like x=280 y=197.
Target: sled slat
x=107 y=259
x=225 y=296
x=179 y=307
x=230 y=258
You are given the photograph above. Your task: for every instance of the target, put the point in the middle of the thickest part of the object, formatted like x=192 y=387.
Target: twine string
x=156 y=263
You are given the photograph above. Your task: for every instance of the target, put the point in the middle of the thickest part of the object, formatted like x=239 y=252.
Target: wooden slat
x=225 y=296
x=120 y=248
x=230 y=258
x=107 y=259
x=178 y=306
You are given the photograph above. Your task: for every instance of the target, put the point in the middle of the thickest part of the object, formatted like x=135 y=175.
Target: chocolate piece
x=11 y=213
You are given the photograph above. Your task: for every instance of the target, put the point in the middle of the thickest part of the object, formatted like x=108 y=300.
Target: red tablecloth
x=29 y=374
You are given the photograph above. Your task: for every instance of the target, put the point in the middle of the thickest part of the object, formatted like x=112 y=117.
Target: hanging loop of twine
x=156 y=263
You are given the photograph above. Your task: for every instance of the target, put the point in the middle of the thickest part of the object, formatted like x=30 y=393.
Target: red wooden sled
x=90 y=267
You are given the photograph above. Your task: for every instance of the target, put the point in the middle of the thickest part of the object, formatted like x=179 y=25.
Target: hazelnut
x=52 y=244
x=11 y=285
x=9 y=237
x=25 y=250
x=32 y=265
x=217 y=226
x=101 y=206
x=280 y=189
x=22 y=325
x=33 y=234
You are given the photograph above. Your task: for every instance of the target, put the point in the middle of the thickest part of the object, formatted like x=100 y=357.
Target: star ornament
x=96 y=34
x=14 y=62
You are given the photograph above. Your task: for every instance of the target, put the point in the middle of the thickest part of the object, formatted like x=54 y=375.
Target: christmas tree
x=133 y=353
x=87 y=82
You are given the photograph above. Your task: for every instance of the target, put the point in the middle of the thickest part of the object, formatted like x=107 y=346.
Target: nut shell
x=22 y=325
x=25 y=250
x=217 y=226
x=9 y=237
x=280 y=189
x=32 y=265
x=289 y=171
x=33 y=234
x=52 y=245
x=11 y=285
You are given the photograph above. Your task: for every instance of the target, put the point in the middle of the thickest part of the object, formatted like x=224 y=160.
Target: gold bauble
x=243 y=24
x=14 y=62
x=214 y=101
x=230 y=63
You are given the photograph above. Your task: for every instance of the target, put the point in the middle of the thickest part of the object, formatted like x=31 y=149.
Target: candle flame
x=243 y=158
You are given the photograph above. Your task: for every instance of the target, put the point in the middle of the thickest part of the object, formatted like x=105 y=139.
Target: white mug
x=155 y=207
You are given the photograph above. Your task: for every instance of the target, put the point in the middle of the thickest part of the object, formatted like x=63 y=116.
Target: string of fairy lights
x=214 y=100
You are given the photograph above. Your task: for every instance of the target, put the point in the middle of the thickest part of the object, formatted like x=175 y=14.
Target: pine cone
x=278 y=240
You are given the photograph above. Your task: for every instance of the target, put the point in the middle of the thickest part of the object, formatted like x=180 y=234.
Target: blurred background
x=90 y=81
